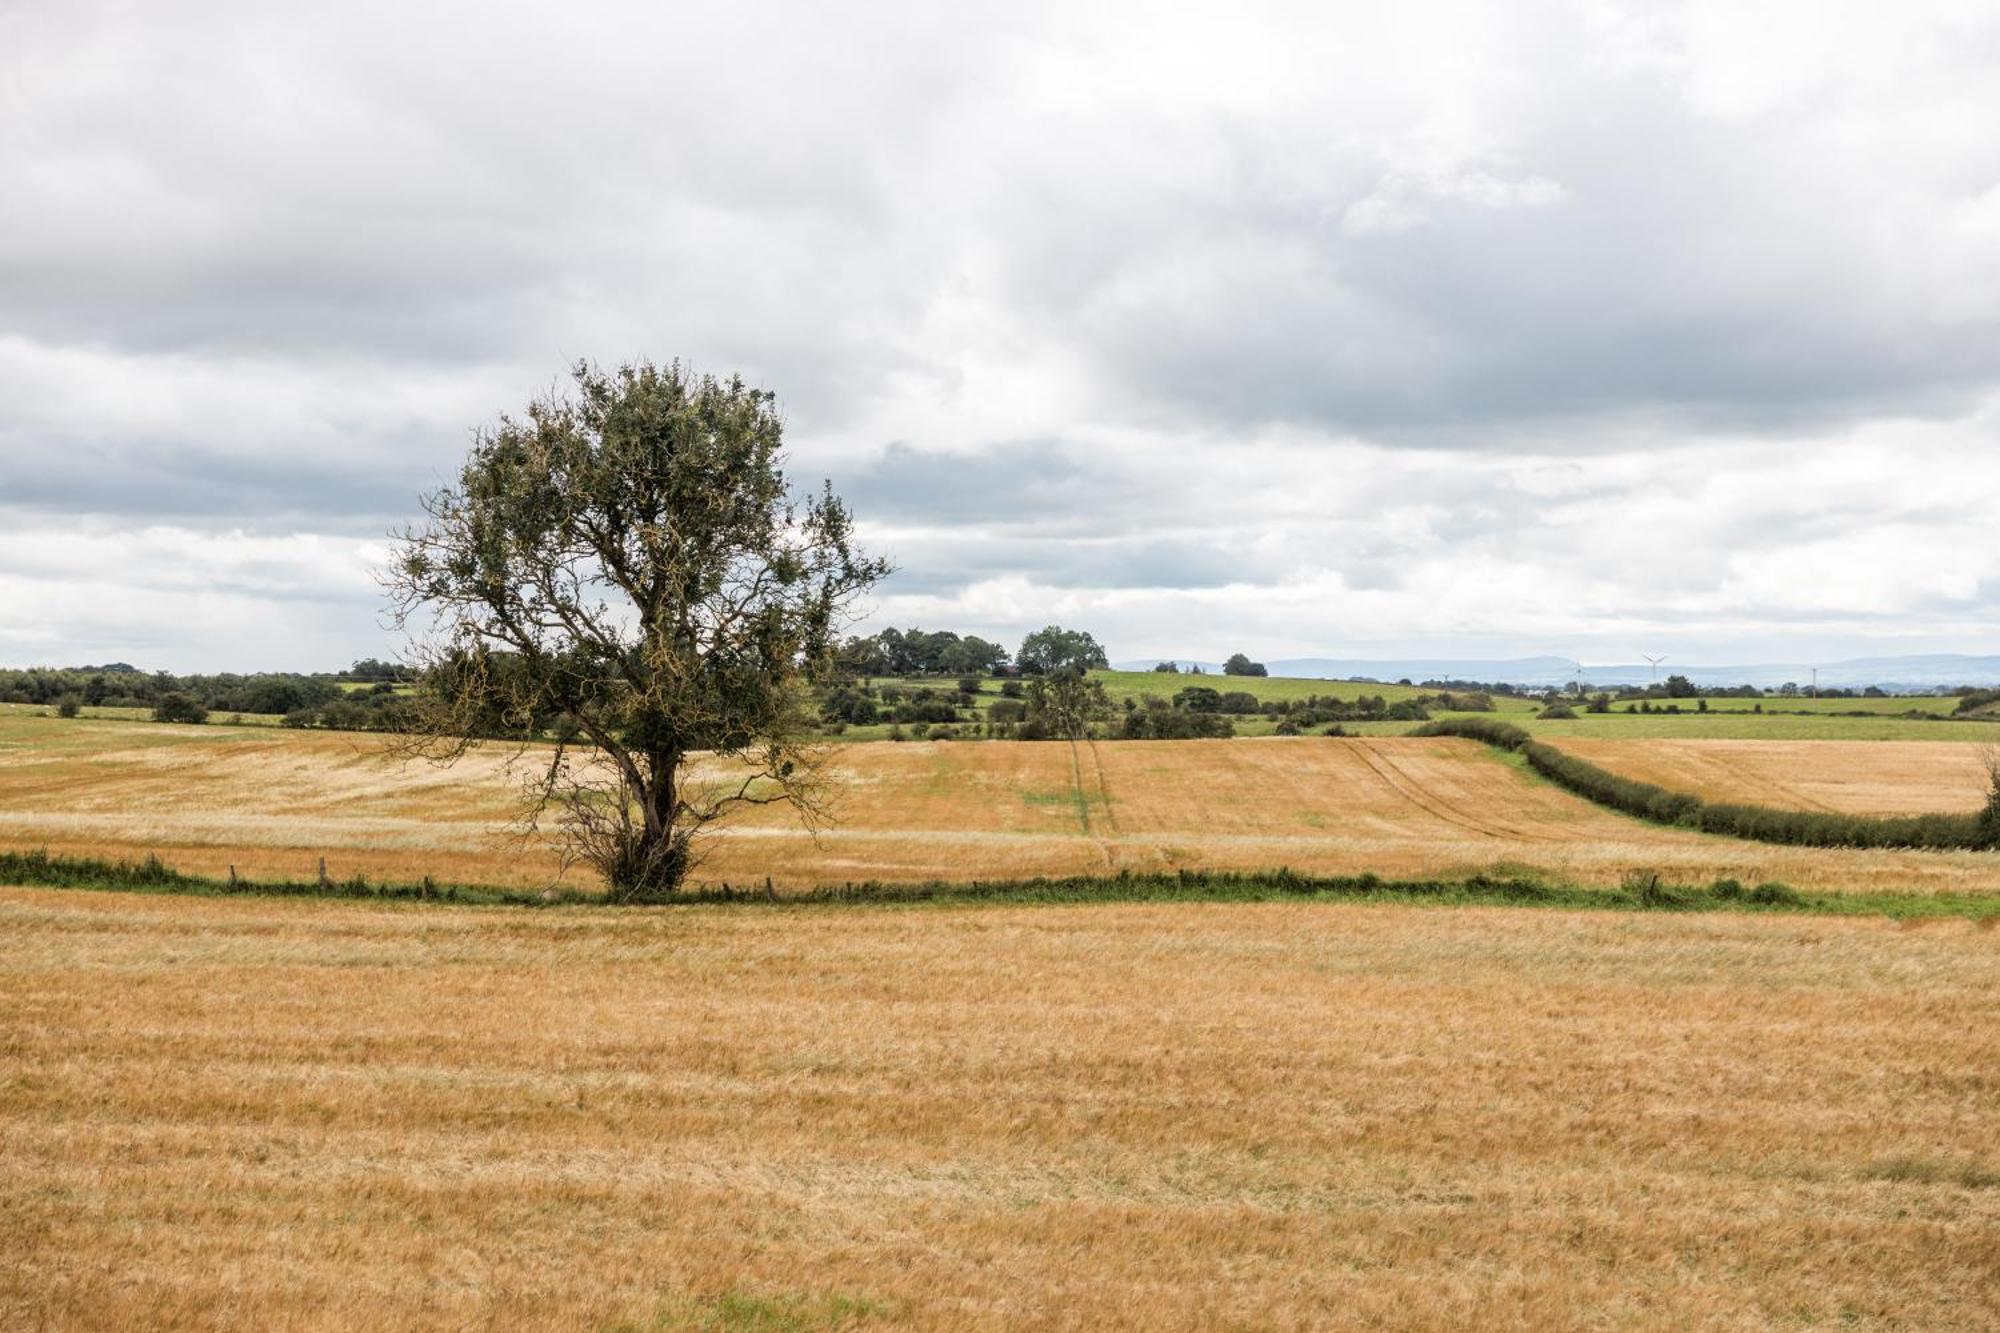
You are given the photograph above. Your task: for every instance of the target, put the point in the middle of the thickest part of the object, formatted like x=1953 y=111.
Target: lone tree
x=627 y=569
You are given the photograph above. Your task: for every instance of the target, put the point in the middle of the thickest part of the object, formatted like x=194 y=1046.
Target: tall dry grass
x=327 y=1115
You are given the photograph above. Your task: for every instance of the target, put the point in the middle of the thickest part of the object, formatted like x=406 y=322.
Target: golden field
x=320 y=1114
x=273 y=802
x=1851 y=777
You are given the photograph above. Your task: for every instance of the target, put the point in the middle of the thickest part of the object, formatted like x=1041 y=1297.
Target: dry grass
x=273 y=803
x=327 y=1115
x=1852 y=777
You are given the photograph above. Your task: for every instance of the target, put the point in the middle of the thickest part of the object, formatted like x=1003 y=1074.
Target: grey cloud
x=1159 y=306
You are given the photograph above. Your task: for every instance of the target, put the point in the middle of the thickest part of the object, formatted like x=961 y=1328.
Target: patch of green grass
x=1269 y=689
x=745 y=1312
x=1503 y=886
x=1917 y=1169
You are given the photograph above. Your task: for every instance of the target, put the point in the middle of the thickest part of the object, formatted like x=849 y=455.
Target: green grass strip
x=1640 y=892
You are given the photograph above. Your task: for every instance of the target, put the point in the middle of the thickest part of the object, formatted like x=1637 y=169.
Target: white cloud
x=1423 y=325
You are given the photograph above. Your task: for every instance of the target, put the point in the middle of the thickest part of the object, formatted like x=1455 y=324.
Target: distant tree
x=1053 y=648
x=1168 y=668
x=1680 y=687
x=1198 y=699
x=1790 y=689
x=972 y=655
x=173 y=706
x=1239 y=665
x=631 y=556
x=1065 y=702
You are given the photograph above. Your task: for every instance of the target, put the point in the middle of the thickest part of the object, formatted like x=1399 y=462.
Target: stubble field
x=259 y=1113
x=1850 y=777
x=272 y=803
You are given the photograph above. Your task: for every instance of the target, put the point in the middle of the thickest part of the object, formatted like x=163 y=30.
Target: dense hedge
x=1805 y=828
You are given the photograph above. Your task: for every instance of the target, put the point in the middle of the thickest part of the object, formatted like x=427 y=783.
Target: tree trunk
x=655 y=862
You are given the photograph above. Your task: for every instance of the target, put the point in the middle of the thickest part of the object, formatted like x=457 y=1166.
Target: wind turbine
x=1654 y=662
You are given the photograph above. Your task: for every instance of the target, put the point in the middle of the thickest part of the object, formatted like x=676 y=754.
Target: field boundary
x=1756 y=823
x=1641 y=892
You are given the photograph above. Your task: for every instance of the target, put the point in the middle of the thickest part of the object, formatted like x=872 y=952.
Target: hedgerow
x=1759 y=823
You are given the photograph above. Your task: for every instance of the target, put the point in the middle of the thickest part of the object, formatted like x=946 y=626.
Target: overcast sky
x=1402 y=329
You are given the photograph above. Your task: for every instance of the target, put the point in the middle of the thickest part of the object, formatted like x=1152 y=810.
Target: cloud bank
x=1307 y=330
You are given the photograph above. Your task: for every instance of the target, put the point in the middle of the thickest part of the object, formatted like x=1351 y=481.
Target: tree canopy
x=1053 y=648
x=626 y=568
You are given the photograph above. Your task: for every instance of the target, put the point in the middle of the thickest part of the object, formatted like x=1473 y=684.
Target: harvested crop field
x=1851 y=777
x=272 y=803
x=314 y=1114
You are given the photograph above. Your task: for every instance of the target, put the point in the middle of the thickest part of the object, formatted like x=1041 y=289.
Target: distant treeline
x=916 y=652
x=1808 y=828
x=303 y=700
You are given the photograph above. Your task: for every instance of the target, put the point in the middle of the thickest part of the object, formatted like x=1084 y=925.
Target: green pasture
x=1269 y=689
x=1941 y=705
x=9 y=712
x=1713 y=725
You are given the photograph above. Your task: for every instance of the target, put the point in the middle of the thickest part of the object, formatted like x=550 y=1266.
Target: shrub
x=177 y=707
x=968 y=684
x=1490 y=730
x=1559 y=712
x=69 y=705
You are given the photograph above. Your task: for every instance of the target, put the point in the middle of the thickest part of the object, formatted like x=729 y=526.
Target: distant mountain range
x=1895 y=674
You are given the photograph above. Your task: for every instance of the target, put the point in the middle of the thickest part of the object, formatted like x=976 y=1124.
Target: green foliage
x=1156 y=720
x=1063 y=704
x=177 y=707
x=1492 y=731
x=631 y=557
x=1053 y=648
x=1642 y=892
x=95 y=687
x=1239 y=665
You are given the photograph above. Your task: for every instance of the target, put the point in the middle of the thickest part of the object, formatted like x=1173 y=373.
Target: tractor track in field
x=1083 y=799
x=1412 y=791
x=1752 y=780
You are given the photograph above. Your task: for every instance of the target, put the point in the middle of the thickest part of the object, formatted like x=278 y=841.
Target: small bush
x=69 y=705
x=1559 y=712
x=1492 y=731
x=177 y=707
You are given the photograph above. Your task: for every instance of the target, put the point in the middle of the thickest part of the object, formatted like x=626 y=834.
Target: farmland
x=1869 y=778
x=272 y=803
x=219 y=1111
x=317 y=1114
